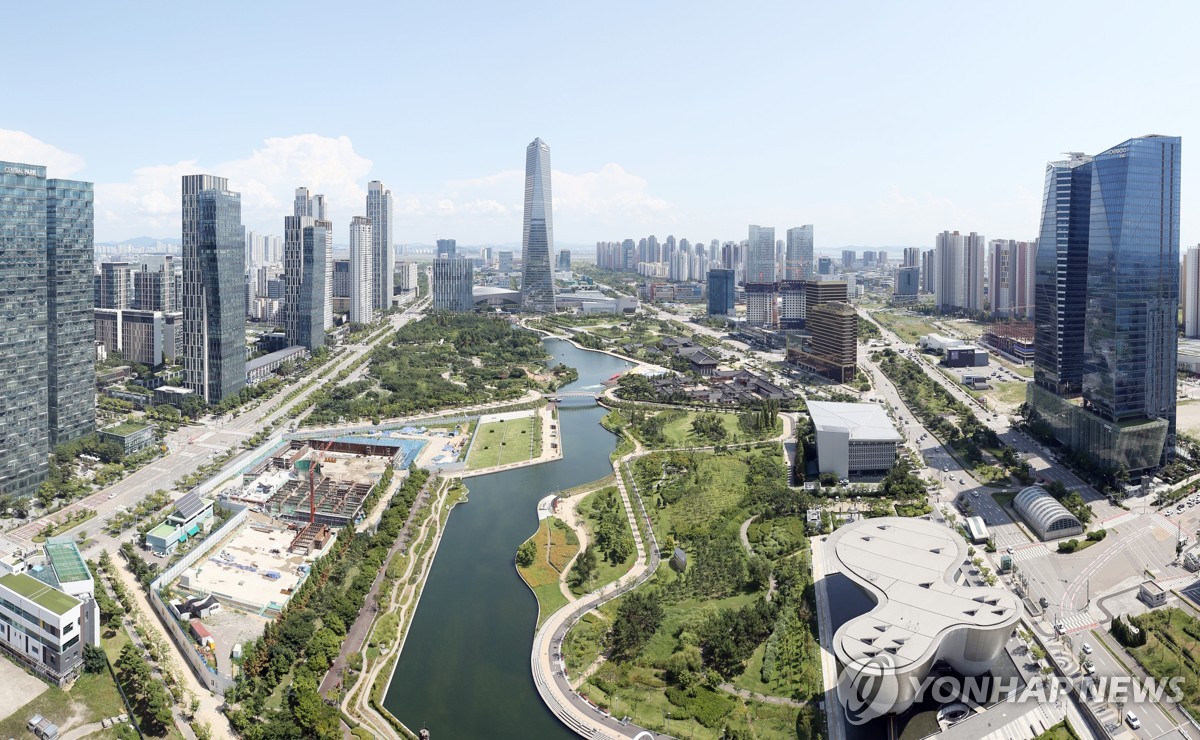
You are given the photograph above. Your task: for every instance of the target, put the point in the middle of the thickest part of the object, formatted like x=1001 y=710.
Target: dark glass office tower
x=537 y=237
x=24 y=411
x=1130 y=333
x=721 y=292
x=70 y=331
x=214 y=263
x=1060 y=282
x=304 y=262
x=1107 y=298
x=46 y=326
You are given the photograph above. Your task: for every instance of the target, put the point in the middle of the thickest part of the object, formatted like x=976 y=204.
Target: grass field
x=1008 y=393
x=92 y=698
x=557 y=544
x=679 y=432
x=504 y=442
x=908 y=328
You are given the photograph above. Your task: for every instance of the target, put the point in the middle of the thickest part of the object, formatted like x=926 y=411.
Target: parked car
x=1133 y=721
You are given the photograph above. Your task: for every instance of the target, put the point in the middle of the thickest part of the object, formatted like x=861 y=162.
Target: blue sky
x=880 y=123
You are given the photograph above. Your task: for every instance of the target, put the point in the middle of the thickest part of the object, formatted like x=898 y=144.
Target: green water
x=464 y=672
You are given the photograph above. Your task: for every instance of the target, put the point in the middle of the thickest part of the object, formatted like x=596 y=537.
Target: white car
x=1133 y=721
x=1060 y=628
x=1009 y=549
x=1087 y=648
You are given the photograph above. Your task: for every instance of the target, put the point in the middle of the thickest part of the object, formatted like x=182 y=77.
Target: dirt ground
x=19 y=688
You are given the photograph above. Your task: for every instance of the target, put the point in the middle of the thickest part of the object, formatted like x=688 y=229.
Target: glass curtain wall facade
x=70 y=327
x=305 y=260
x=1130 y=337
x=1060 y=279
x=24 y=426
x=537 y=232
x=1107 y=300
x=214 y=337
x=721 y=292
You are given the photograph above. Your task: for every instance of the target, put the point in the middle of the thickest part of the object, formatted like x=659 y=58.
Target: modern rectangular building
x=853 y=438
x=214 y=263
x=46 y=297
x=452 y=281
x=146 y=337
x=908 y=284
x=156 y=285
x=406 y=276
x=1011 y=278
x=191 y=515
x=832 y=351
x=791 y=303
x=304 y=260
x=114 y=288
x=958 y=272
x=1117 y=279
x=446 y=249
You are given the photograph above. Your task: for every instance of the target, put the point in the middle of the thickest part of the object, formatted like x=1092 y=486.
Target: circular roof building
x=1045 y=515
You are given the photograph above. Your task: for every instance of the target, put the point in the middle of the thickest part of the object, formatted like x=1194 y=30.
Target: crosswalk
x=1079 y=622
x=1030 y=552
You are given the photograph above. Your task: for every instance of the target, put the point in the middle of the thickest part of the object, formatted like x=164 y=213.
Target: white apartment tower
x=362 y=270
x=1189 y=294
x=958 y=271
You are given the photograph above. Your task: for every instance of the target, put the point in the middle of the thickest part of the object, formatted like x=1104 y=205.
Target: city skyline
x=704 y=176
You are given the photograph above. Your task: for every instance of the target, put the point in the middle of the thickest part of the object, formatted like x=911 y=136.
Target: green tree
x=93 y=659
x=637 y=619
x=526 y=553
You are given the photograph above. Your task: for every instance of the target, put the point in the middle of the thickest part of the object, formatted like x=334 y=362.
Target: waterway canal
x=464 y=672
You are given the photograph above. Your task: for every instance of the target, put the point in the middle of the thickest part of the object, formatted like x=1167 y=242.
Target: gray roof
x=863 y=421
x=189 y=505
x=906 y=565
x=283 y=354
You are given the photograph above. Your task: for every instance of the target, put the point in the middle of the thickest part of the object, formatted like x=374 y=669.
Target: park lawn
x=778 y=537
x=93 y=697
x=542 y=576
x=584 y=642
x=503 y=442
x=679 y=432
x=723 y=484
x=648 y=706
x=751 y=678
x=606 y=572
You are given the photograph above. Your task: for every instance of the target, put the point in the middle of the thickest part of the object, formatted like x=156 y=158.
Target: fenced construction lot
x=501 y=439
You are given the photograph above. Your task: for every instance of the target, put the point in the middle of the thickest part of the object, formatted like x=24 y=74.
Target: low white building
x=939 y=343
x=853 y=438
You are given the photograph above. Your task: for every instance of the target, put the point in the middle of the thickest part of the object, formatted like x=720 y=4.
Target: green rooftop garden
x=39 y=593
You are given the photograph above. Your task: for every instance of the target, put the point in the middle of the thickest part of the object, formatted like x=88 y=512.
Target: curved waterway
x=464 y=672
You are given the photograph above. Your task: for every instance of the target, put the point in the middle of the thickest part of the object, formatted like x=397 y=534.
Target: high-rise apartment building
x=452 y=283
x=341 y=278
x=848 y=256
x=362 y=270
x=156 y=285
x=380 y=212
x=447 y=249
x=958 y=271
x=798 y=259
x=1189 y=295
x=115 y=288
x=46 y=297
x=721 y=292
x=760 y=276
x=214 y=325
x=537 y=233
x=321 y=214
x=406 y=276
x=1011 y=278
x=1123 y=413
x=912 y=257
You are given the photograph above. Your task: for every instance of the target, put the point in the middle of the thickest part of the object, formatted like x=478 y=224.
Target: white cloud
x=148 y=203
x=18 y=146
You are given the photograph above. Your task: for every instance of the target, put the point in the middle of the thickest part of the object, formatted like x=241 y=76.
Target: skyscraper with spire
x=537 y=233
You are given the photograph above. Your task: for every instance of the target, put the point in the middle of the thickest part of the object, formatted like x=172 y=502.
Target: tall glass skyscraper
x=1060 y=279
x=304 y=262
x=537 y=233
x=721 y=292
x=362 y=275
x=798 y=260
x=1116 y=402
x=214 y=265
x=379 y=210
x=70 y=327
x=47 y=331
